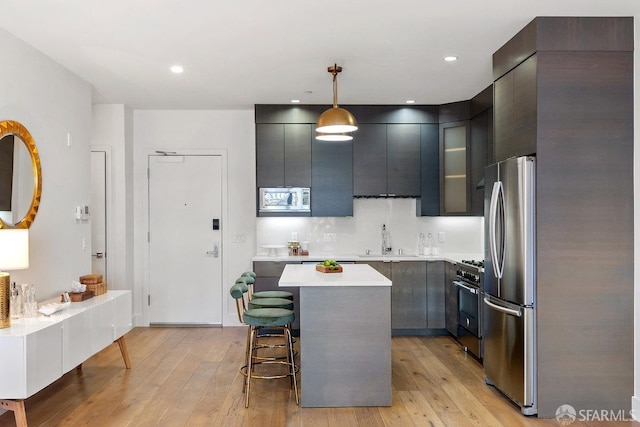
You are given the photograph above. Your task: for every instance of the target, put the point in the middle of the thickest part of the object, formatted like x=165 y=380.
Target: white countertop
x=451 y=257
x=301 y=275
x=28 y=325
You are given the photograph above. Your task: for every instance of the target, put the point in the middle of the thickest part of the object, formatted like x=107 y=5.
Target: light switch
x=441 y=236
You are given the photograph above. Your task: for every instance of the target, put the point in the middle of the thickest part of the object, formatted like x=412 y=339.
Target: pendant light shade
x=335 y=120
x=346 y=136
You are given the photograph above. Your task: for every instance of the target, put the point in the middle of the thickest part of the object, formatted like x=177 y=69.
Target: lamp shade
x=345 y=136
x=336 y=120
x=14 y=249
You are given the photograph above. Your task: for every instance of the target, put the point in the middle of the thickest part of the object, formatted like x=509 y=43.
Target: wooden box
x=91 y=279
x=97 y=288
x=78 y=296
x=325 y=269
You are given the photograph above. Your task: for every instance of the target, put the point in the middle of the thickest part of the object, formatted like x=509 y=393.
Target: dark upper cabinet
x=403 y=160
x=515 y=111
x=481 y=141
x=454 y=166
x=429 y=202
x=332 y=178
x=465 y=148
x=270 y=155
x=370 y=160
x=387 y=160
x=283 y=155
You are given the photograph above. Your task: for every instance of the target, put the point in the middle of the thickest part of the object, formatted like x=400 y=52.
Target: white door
x=99 y=213
x=185 y=253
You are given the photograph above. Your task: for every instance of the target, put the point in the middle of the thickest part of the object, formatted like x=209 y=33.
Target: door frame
x=144 y=230
x=108 y=215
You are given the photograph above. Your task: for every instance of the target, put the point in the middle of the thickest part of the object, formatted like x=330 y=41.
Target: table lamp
x=14 y=255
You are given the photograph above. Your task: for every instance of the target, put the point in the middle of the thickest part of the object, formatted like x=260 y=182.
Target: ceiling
x=237 y=53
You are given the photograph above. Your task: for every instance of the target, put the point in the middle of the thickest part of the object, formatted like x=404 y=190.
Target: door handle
x=98 y=255
x=215 y=252
x=506 y=310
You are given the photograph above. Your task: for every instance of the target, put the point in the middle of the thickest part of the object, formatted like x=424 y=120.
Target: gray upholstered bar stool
x=257 y=319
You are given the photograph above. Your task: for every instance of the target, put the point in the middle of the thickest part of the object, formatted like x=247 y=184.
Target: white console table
x=37 y=351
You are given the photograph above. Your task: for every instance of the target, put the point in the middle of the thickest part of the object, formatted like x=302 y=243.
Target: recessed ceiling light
x=295 y=101
x=177 y=69
x=410 y=101
x=450 y=58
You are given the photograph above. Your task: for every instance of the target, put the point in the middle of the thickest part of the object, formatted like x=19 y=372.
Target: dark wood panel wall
x=579 y=124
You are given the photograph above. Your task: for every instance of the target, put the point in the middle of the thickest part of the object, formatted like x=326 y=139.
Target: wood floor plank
x=189 y=377
x=419 y=409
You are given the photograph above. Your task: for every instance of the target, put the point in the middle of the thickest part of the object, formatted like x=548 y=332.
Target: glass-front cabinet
x=454 y=162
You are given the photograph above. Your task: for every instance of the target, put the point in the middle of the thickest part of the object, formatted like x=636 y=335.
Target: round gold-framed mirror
x=19 y=132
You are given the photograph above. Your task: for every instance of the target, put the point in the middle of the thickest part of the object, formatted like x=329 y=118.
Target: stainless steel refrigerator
x=510 y=280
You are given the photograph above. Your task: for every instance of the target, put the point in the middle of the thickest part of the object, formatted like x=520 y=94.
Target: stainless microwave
x=289 y=199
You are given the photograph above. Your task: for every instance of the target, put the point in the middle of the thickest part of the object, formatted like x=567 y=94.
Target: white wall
x=50 y=102
x=112 y=132
x=230 y=131
x=354 y=235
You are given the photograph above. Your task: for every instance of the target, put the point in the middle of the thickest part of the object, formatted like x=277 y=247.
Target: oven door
x=469 y=325
x=468 y=307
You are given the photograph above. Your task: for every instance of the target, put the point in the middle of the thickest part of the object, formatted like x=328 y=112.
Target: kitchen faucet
x=385 y=244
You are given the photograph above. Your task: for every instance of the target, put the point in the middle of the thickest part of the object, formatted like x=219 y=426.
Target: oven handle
x=506 y=310
x=467 y=287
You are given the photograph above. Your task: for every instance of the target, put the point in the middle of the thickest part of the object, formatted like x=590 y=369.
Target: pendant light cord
x=335 y=85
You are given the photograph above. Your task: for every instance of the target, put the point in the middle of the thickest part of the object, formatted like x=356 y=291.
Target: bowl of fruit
x=329 y=266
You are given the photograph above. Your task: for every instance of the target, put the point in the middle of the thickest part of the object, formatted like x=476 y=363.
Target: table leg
x=123 y=349
x=17 y=406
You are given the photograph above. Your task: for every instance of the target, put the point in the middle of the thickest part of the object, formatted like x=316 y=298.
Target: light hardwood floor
x=189 y=377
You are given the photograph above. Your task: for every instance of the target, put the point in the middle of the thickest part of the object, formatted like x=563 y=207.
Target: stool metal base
x=252 y=360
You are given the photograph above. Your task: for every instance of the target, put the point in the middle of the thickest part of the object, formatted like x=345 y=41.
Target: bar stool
x=256 y=319
x=263 y=302
x=250 y=278
x=267 y=333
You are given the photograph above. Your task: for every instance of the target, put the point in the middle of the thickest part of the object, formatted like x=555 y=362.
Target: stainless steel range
x=469 y=274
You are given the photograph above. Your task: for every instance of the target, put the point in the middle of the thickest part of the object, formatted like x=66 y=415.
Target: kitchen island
x=345 y=335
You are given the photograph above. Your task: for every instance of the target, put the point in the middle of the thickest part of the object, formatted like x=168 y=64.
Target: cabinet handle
x=391 y=194
x=382 y=195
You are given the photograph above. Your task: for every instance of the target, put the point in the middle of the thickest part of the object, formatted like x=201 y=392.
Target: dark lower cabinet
x=451 y=298
x=436 y=302
x=417 y=295
x=409 y=295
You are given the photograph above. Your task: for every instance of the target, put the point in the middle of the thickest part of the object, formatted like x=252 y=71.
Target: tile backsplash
x=354 y=235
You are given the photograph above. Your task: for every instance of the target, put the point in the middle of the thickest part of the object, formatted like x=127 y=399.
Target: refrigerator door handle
x=493 y=213
x=506 y=310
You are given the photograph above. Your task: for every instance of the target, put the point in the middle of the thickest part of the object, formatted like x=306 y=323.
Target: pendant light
x=344 y=136
x=335 y=123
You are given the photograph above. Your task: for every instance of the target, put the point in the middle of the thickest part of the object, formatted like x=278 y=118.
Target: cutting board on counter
x=325 y=269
